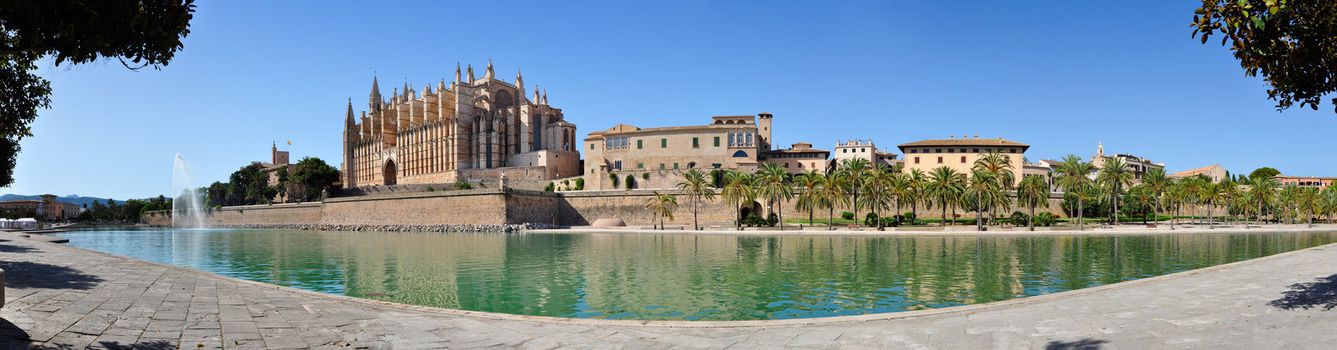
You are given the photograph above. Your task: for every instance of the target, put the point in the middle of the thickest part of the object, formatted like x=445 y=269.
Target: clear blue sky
x=1059 y=75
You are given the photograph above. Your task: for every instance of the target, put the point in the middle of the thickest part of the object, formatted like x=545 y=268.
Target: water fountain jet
x=187 y=208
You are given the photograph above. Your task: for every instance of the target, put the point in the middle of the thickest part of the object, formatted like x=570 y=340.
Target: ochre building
x=467 y=130
x=960 y=154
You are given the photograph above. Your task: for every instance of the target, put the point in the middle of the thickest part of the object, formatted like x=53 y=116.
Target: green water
x=684 y=277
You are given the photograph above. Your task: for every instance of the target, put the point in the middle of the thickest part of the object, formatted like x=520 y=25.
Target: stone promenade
x=65 y=298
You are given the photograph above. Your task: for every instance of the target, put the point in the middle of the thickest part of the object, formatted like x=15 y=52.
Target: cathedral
x=470 y=130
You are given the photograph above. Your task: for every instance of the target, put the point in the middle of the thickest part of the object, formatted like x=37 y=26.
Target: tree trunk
x=1080 y=223
x=830 y=216
x=780 y=215
x=979 y=213
x=1115 y=214
x=1030 y=221
x=1210 y=221
x=695 y=226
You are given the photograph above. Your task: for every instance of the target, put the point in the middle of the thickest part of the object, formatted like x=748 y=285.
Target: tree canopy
x=1264 y=172
x=139 y=33
x=1292 y=43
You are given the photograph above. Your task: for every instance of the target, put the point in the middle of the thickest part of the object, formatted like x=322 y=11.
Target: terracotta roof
x=1195 y=171
x=965 y=142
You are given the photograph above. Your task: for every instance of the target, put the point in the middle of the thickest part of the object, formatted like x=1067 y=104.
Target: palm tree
x=1307 y=203
x=1157 y=182
x=773 y=184
x=946 y=186
x=1033 y=192
x=832 y=195
x=696 y=186
x=853 y=172
x=1073 y=174
x=1329 y=202
x=810 y=183
x=916 y=182
x=982 y=185
x=1142 y=199
x=1209 y=193
x=877 y=179
x=662 y=205
x=1176 y=194
x=899 y=188
x=1114 y=175
x=737 y=190
x=1261 y=189
x=1000 y=166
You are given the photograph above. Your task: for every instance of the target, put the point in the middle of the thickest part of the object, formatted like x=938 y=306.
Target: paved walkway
x=68 y=298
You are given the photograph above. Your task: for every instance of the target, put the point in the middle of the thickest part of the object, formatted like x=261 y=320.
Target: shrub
x=891 y=221
x=566 y=183
x=908 y=217
x=1018 y=218
x=847 y=215
x=580 y=183
x=753 y=220
x=772 y=219
x=870 y=219
x=430 y=189
x=550 y=187
x=1045 y=219
x=631 y=181
x=646 y=176
x=613 y=177
x=463 y=185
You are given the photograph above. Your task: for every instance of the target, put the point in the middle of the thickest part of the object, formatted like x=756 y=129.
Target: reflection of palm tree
x=1114 y=175
x=1033 y=192
x=811 y=183
x=1073 y=174
x=737 y=190
x=662 y=205
x=772 y=184
x=946 y=185
x=697 y=187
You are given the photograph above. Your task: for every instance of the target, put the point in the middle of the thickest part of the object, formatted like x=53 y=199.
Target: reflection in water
x=684 y=277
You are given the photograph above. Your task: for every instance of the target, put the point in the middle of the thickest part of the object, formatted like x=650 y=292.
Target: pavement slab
x=119 y=303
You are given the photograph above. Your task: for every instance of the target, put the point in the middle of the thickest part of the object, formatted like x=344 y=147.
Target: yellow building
x=960 y=154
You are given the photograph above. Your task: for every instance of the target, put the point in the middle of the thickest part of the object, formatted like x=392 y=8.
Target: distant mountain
x=74 y=198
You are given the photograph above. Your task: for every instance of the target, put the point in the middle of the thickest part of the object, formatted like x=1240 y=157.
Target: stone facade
x=1138 y=165
x=798 y=158
x=431 y=136
x=865 y=149
x=728 y=142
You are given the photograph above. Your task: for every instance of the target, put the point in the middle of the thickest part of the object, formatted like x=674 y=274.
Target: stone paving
x=61 y=297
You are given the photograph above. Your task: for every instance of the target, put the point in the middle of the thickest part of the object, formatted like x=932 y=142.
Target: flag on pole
x=290 y=142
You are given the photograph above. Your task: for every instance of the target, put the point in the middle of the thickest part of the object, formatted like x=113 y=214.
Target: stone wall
x=278 y=214
x=498 y=207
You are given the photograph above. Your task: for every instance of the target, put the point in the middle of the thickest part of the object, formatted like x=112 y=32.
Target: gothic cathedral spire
x=374 y=102
x=519 y=83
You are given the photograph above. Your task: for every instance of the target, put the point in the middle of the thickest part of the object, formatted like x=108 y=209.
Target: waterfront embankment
x=65 y=297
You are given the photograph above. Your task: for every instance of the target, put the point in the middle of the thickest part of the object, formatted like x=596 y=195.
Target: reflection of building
x=960 y=154
x=1138 y=165
x=1305 y=181
x=862 y=149
x=46 y=208
x=439 y=135
x=798 y=158
x=728 y=142
x=1213 y=172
